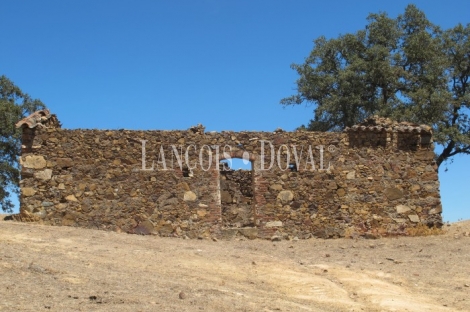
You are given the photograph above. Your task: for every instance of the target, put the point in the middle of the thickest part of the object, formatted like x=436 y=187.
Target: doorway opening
x=236 y=192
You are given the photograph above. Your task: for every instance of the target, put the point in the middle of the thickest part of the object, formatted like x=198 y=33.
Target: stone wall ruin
x=377 y=178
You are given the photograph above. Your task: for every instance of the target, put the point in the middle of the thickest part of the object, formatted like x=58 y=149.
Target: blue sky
x=173 y=64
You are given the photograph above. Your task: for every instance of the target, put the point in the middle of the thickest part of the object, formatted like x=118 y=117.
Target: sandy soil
x=72 y=269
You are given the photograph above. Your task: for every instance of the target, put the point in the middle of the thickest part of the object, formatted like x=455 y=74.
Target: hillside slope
x=74 y=269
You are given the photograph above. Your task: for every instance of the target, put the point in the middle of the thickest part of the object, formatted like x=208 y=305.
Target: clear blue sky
x=173 y=64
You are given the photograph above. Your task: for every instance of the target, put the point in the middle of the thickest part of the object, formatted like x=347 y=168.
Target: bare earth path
x=45 y=268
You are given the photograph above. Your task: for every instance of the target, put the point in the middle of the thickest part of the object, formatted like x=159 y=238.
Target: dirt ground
x=73 y=269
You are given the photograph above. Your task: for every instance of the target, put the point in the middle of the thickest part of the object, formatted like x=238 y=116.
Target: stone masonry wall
x=377 y=178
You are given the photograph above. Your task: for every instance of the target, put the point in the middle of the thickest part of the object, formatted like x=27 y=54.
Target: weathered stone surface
x=250 y=233
x=64 y=162
x=436 y=210
x=228 y=234
x=201 y=213
x=68 y=222
x=393 y=193
x=332 y=185
x=276 y=238
x=414 y=218
x=285 y=196
x=34 y=162
x=164 y=229
x=402 y=209
x=45 y=174
x=329 y=232
x=61 y=206
x=273 y=224
x=27 y=191
x=379 y=173
x=144 y=228
x=40 y=214
x=400 y=220
x=225 y=197
x=425 y=155
x=71 y=198
x=189 y=196
x=184 y=186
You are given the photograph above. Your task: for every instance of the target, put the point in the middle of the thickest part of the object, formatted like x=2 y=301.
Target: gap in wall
x=236 y=193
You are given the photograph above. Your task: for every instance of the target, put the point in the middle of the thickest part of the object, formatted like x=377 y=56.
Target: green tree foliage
x=405 y=68
x=14 y=105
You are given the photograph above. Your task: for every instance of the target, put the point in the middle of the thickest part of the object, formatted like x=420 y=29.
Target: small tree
x=14 y=105
x=405 y=68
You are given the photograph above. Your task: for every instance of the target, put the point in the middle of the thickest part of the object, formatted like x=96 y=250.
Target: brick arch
x=239 y=154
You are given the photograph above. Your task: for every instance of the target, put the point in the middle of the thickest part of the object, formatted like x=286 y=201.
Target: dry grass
x=73 y=269
x=424 y=230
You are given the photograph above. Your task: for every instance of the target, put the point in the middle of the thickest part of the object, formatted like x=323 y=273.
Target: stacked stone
x=358 y=182
x=383 y=132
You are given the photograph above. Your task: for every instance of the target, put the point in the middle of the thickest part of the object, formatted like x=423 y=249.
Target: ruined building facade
x=377 y=178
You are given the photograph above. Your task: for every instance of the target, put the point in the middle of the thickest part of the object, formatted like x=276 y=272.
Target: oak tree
x=406 y=68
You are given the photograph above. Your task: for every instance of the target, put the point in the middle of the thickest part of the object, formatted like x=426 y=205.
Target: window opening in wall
x=236 y=193
x=237 y=163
